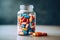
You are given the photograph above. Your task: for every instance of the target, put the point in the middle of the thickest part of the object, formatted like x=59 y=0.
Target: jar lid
x=26 y=7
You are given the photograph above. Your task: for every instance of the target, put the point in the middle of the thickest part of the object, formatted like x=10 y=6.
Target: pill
x=44 y=34
x=23 y=25
x=30 y=19
x=18 y=18
x=33 y=17
x=24 y=28
x=37 y=34
x=22 y=17
x=27 y=25
x=27 y=16
x=30 y=14
x=27 y=21
x=33 y=24
x=24 y=14
x=21 y=33
x=33 y=28
x=23 y=22
x=25 y=32
x=30 y=33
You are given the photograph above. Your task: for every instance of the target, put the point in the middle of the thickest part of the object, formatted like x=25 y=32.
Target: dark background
x=47 y=11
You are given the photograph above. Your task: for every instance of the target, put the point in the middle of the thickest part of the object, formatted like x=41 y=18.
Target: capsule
x=24 y=29
x=37 y=34
x=21 y=33
x=25 y=32
x=44 y=34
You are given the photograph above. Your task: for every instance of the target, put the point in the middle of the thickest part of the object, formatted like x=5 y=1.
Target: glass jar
x=26 y=20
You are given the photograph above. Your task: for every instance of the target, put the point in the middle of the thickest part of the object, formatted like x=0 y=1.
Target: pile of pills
x=26 y=24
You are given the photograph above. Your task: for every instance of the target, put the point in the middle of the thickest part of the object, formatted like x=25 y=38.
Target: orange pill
x=18 y=18
x=30 y=19
x=30 y=33
x=37 y=34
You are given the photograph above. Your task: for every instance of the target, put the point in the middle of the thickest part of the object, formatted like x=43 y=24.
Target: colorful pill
x=23 y=25
x=37 y=34
x=44 y=34
x=24 y=14
x=33 y=17
x=18 y=18
x=33 y=24
x=24 y=29
x=30 y=19
x=27 y=21
x=27 y=25
x=25 y=32
x=23 y=22
x=30 y=33
x=21 y=33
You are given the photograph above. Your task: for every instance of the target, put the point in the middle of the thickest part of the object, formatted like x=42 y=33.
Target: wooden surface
x=9 y=32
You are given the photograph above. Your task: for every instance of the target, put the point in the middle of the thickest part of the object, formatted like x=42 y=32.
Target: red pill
x=44 y=34
x=33 y=17
x=27 y=21
x=33 y=24
x=24 y=20
x=33 y=28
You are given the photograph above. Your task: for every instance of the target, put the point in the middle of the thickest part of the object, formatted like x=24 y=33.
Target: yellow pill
x=30 y=19
x=21 y=33
x=24 y=28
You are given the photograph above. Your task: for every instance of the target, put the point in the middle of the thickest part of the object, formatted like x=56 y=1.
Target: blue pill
x=27 y=16
x=25 y=32
x=23 y=14
x=23 y=25
x=29 y=26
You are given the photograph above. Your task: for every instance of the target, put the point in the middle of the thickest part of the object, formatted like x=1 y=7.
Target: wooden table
x=9 y=32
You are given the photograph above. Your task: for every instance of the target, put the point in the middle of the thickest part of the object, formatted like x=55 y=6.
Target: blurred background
x=47 y=11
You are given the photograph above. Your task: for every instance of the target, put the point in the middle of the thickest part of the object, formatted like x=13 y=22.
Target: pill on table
x=44 y=34
x=30 y=33
x=37 y=34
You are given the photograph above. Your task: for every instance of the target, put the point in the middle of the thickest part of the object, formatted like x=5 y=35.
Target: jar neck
x=26 y=10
